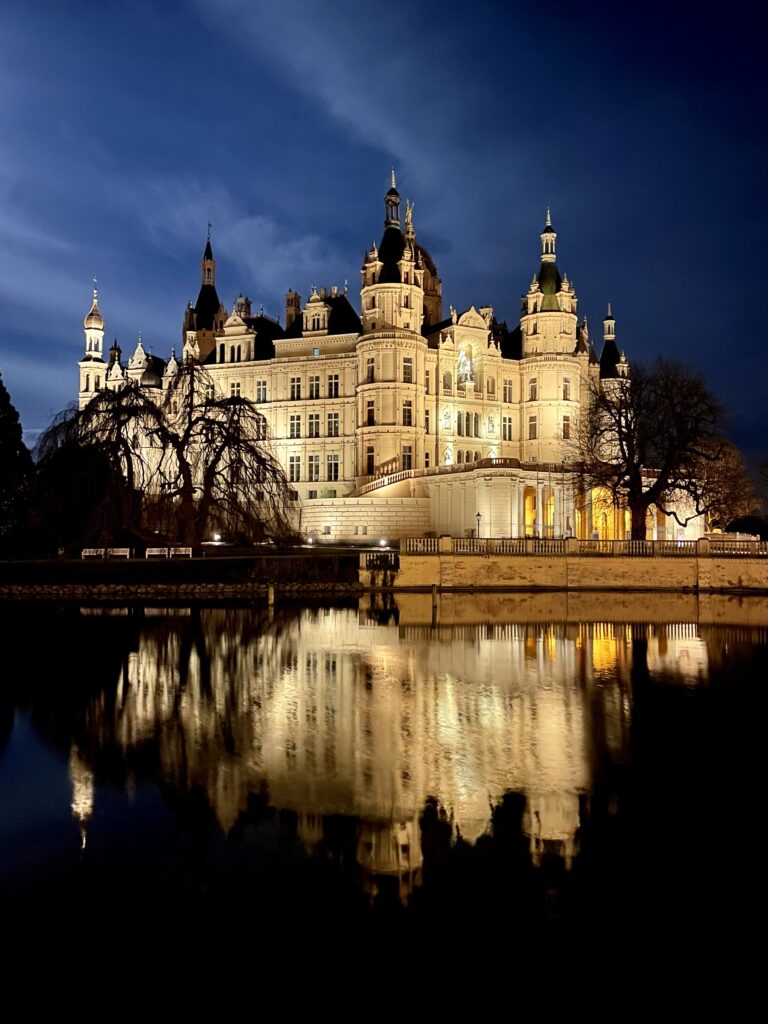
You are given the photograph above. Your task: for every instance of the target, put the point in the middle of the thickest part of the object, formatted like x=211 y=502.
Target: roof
x=207 y=307
x=342 y=319
x=266 y=331
x=208 y=254
x=550 y=284
x=609 y=359
x=510 y=342
x=390 y=254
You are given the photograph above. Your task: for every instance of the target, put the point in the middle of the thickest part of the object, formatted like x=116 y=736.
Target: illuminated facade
x=395 y=420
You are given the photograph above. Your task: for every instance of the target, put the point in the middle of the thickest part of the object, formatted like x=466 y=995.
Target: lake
x=558 y=759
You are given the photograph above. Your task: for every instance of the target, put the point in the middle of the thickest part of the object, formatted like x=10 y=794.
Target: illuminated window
x=295 y=388
x=333 y=385
x=313 y=424
x=294 y=426
x=332 y=465
x=294 y=468
x=407 y=413
x=531 y=428
x=407 y=370
x=333 y=424
x=507 y=390
x=314 y=386
x=491 y=387
x=234 y=389
x=566 y=389
x=426 y=421
x=407 y=456
x=313 y=467
x=370 y=374
x=506 y=428
x=261 y=391
x=533 y=389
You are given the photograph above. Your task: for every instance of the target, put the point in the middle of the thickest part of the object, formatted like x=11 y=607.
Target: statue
x=464 y=371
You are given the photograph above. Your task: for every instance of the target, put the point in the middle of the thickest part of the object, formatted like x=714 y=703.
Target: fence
x=592 y=548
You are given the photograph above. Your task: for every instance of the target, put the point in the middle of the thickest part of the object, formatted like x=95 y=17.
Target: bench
x=118 y=552
x=181 y=553
x=156 y=553
x=93 y=553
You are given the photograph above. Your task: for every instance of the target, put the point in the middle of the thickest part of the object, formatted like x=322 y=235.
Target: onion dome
x=94 y=320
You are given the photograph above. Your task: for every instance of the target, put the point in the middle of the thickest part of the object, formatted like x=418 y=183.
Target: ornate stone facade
x=463 y=426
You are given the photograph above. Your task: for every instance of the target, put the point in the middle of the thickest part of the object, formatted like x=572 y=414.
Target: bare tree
x=648 y=439
x=727 y=489
x=191 y=461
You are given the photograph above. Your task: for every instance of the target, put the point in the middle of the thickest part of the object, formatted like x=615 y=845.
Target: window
x=426 y=381
x=209 y=392
x=506 y=428
x=531 y=428
x=313 y=467
x=468 y=424
x=87 y=382
x=566 y=389
x=97 y=383
x=294 y=468
x=314 y=386
x=261 y=391
x=507 y=390
x=369 y=460
x=426 y=421
x=407 y=456
x=407 y=413
x=311 y=495
x=405 y=302
x=460 y=458
x=221 y=353
x=333 y=385
x=460 y=424
x=326 y=531
x=234 y=389
x=333 y=424
x=426 y=460
x=295 y=388
x=566 y=428
x=407 y=370
x=294 y=426
x=370 y=370
x=477 y=425
x=533 y=390
x=313 y=424
x=447 y=386
x=261 y=428
x=370 y=414
x=332 y=464
x=491 y=387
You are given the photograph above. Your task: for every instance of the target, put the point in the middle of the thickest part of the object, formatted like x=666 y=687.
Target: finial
x=346 y=286
x=392 y=183
x=610 y=315
x=549 y=219
x=95 y=290
x=408 y=213
x=209 y=230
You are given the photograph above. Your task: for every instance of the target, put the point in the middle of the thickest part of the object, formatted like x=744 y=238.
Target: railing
x=591 y=548
x=384 y=481
x=420 y=545
x=382 y=561
x=739 y=548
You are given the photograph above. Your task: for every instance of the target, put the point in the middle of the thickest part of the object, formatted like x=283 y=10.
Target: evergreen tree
x=15 y=470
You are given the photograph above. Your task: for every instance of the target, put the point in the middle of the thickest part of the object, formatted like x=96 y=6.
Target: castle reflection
x=357 y=713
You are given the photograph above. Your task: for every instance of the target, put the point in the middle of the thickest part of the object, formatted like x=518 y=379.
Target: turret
x=292 y=307
x=549 y=309
x=610 y=357
x=93 y=325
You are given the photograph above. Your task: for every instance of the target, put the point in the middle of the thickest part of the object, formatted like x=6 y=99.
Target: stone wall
x=365 y=520
x=578 y=572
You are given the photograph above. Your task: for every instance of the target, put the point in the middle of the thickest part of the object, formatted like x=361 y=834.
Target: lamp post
x=478 y=517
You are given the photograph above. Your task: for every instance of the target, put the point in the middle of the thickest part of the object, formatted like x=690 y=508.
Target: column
x=539 y=510
x=514 y=508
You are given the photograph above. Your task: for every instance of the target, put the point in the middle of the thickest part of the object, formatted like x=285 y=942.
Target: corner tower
x=548 y=320
x=206 y=318
x=92 y=366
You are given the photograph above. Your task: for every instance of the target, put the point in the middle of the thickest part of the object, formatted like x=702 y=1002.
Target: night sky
x=126 y=126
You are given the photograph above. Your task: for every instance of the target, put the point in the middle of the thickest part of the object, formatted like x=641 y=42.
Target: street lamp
x=478 y=517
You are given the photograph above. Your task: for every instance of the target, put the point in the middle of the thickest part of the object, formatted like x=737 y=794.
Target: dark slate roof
x=550 y=284
x=206 y=307
x=208 y=254
x=581 y=341
x=153 y=374
x=426 y=259
x=266 y=332
x=342 y=319
x=510 y=342
x=432 y=331
x=609 y=359
x=390 y=254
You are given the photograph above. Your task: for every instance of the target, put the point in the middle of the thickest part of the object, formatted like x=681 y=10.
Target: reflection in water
x=417 y=748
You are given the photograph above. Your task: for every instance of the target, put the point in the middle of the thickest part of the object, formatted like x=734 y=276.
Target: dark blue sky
x=126 y=126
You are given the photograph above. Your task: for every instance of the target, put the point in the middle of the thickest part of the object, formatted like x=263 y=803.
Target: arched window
x=460 y=458
x=477 y=425
x=468 y=456
x=97 y=383
x=221 y=353
x=468 y=424
x=477 y=456
x=87 y=384
x=208 y=273
x=460 y=424
x=238 y=353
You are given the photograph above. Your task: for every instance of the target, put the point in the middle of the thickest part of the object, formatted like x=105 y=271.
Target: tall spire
x=392 y=204
x=208 y=263
x=548 y=237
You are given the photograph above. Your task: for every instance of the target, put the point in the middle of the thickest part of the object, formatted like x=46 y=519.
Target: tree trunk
x=639 y=517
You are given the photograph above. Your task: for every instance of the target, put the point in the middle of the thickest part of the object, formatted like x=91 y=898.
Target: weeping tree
x=186 y=463
x=15 y=473
x=655 y=440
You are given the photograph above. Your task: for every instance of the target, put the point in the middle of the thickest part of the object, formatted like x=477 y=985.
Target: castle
x=396 y=420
